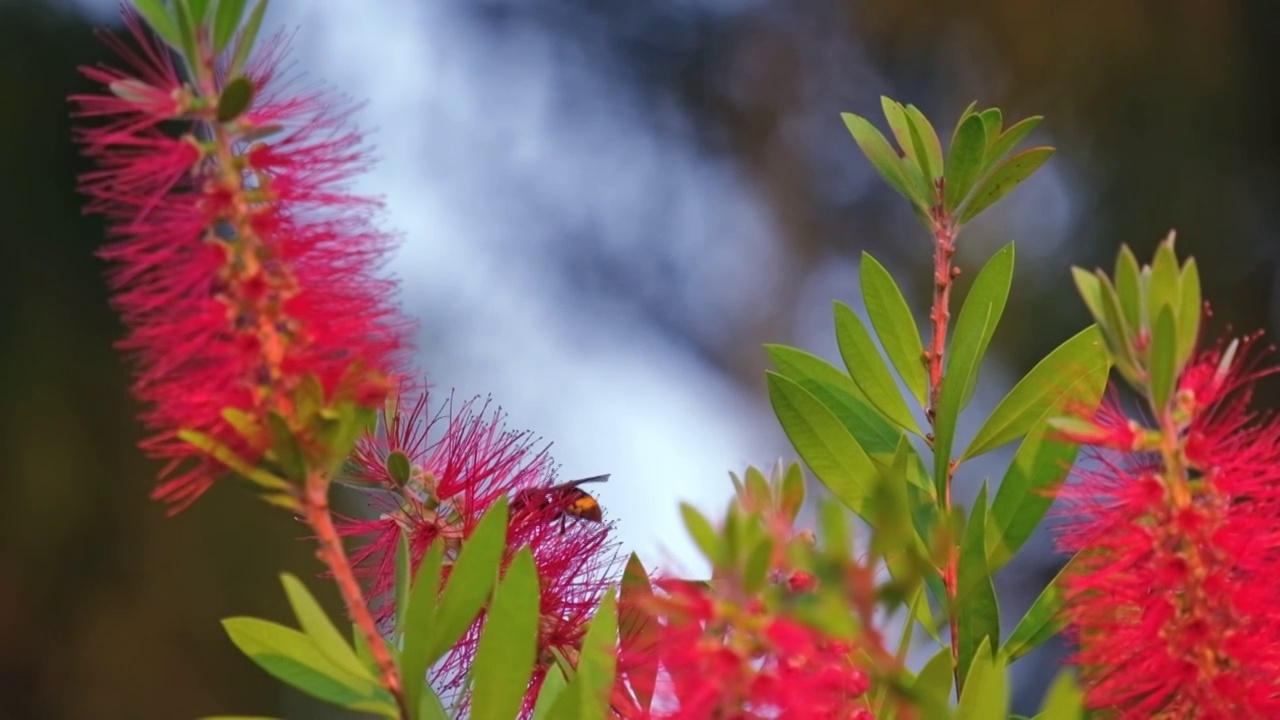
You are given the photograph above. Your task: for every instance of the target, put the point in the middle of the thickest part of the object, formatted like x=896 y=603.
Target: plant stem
x=315 y=507
x=944 y=234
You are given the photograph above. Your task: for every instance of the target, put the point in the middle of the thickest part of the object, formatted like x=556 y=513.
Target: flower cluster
x=438 y=471
x=244 y=270
x=740 y=660
x=1173 y=590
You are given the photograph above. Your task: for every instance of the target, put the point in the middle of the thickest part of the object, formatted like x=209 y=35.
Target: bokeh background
x=608 y=206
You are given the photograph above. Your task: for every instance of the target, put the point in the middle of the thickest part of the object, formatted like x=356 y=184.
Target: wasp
x=566 y=499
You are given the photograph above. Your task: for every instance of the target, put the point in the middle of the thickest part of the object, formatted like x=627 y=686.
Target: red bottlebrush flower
x=462 y=460
x=240 y=263
x=1172 y=594
x=730 y=659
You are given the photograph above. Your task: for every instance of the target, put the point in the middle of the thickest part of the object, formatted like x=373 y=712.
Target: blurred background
x=607 y=207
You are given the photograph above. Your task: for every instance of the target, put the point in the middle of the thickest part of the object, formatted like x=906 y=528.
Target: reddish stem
x=944 y=234
x=315 y=507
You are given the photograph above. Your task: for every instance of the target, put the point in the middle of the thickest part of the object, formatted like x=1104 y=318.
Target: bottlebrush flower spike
x=726 y=658
x=242 y=267
x=1172 y=594
x=461 y=460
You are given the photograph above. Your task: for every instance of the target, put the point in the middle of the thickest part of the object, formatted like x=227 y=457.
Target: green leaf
x=840 y=394
x=1064 y=701
x=703 y=533
x=991 y=123
x=868 y=369
x=470 y=580
x=235 y=99
x=199 y=9
x=316 y=624
x=1120 y=335
x=509 y=644
x=285 y=449
x=964 y=160
x=986 y=688
x=896 y=116
x=404 y=580
x=293 y=658
x=894 y=325
x=792 y=492
x=587 y=697
x=1065 y=376
x=160 y=18
x=1129 y=288
x=248 y=36
x=1164 y=355
x=429 y=705
x=419 y=624
x=1163 y=290
x=186 y=31
x=228 y=457
x=1042 y=621
x=238 y=717
x=552 y=688
x=1189 y=310
x=932 y=686
x=931 y=153
x=225 y=21
x=1001 y=181
x=1090 y=289
x=1011 y=137
x=882 y=155
x=822 y=442
x=1028 y=488
x=975 y=595
x=973 y=330
x=638 y=631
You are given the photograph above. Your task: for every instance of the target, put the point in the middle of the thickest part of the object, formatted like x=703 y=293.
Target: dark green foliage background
x=1167 y=110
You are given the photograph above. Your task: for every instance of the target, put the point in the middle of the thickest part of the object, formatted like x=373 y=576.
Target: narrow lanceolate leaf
x=1010 y=138
x=840 y=394
x=225 y=21
x=700 y=529
x=638 y=630
x=553 y=686
x=1164 y=355
x=1001 y=181
x=881 y=154
x=1129 y=288
x=293 y=658
x=823 y=443
x=1065 y=700
x=1042 y=621
x=1065 y=376
x=1188 y=312
x=868 y=369
x=973 y=330
x=1090 y=289
x=986 y=688
x=976 y=596
x=316 y=624
x=470 y=580
x=1163 y=288
x=160 y=18
x=509 y=644
x=965 y=159
x=419 y=621
x=932 y=147
x=896 y=116
x=894 y=325
x=248 y=36
x=587 y=696
x=932 y=686
x=1029 y=487
x=992 y=120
